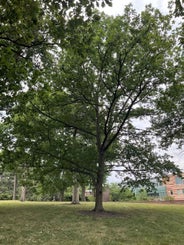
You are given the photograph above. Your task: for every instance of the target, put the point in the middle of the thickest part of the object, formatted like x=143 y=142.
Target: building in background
x=170 y=189
x=175 y=187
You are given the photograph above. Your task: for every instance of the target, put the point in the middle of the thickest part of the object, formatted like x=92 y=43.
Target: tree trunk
x=23 y=194
x=83 y=196
x=75 y=196
x=99 y=186
x=14 y=187
x=61 y=195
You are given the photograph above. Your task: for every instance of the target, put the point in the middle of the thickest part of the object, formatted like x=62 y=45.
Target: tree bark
x=61 y=195
x=99 y=185
x=83 y=197
x=75 y=196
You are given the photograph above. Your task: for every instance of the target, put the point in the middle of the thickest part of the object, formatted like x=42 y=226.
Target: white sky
x=118 y=6
x=139 y=5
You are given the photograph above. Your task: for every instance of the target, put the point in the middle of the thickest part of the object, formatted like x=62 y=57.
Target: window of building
x=171 y=192
x=179 y=180
x=179 y=192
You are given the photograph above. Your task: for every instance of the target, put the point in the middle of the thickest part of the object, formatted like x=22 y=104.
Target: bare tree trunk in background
x=61 y=196
x=14 y=187
x=83 y=196
x=23 y=194
x=75 y=196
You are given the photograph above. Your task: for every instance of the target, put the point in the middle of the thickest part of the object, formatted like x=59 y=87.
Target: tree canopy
x=28 y=29
x=179 y=8
x=77 y=107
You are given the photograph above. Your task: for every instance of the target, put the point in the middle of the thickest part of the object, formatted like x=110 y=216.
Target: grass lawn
x=66 y=224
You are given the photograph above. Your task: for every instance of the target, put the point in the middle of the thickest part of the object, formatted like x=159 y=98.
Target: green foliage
x=91 y=198
x=77 y=110
x=29 y=31
x=119 y=194
x=168 y=198
x=142 y=195
x=169 y=118
x=179 y=9
x=6 y=186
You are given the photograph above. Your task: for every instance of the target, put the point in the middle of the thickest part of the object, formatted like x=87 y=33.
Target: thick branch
x=107 y=145
x=65 y=124
x=74 y=167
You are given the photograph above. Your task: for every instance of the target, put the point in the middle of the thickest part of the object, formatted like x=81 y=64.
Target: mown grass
x=66 y=224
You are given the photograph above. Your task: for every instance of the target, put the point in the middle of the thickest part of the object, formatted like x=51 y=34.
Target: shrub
x=168 y=198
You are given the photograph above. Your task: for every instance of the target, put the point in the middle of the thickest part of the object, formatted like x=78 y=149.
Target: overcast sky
x=139 y=5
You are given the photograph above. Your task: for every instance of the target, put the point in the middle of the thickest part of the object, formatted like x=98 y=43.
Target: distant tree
x=6 y=186
x=119 y=194
x=141 y=195
x=55 y=183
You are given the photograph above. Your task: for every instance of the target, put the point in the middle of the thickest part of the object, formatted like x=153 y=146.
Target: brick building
x=174 y=187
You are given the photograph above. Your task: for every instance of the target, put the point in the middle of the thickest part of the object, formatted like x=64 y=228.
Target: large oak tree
x=80 y=111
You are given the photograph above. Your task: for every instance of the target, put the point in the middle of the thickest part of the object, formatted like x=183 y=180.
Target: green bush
x=117 y=194
x=6 y=196
x=142 y=195
x=90 y=198
x=168 y=198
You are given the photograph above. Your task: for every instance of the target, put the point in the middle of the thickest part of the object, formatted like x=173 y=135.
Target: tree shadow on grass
x=104 y=214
